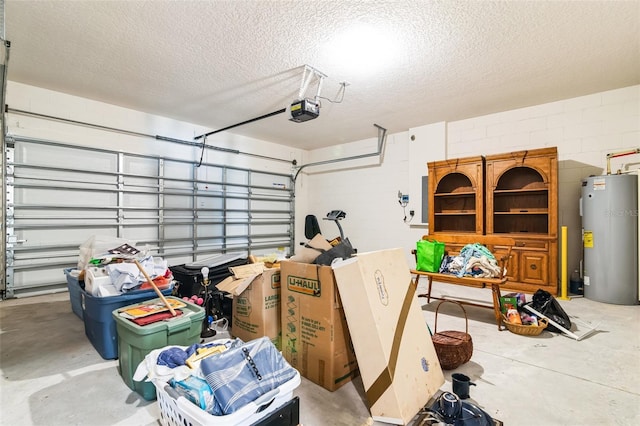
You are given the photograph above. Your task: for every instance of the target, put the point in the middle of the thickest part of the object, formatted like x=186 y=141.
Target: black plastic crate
x=287 y=415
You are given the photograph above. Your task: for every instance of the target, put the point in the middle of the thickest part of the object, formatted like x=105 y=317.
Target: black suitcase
x=189 y=278
x=189 y=275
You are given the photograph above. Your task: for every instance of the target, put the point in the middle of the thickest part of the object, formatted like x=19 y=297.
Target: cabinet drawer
x=532 y=244
x=534 y=268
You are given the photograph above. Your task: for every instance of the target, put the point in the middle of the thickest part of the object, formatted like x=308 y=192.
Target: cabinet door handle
x=519 y=244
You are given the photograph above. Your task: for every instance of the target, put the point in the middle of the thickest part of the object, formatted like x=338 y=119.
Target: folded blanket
x=243 y=374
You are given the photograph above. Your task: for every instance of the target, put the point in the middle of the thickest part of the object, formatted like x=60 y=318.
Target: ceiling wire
x=341 y=90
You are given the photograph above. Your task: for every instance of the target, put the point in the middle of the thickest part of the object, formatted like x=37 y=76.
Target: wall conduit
x=382 y=137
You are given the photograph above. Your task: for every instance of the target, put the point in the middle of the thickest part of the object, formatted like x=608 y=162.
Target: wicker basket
x=453 y=348
x=526 y=330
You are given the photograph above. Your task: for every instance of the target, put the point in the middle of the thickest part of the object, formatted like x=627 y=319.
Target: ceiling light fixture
x=358 y=50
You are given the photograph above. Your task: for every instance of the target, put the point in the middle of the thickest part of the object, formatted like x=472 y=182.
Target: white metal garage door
x=59 y=194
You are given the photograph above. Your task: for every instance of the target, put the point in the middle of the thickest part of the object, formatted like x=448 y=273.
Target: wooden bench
x=501 y=249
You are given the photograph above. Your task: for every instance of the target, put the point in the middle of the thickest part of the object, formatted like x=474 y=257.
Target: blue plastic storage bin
x=99 y=325
x=76 y=290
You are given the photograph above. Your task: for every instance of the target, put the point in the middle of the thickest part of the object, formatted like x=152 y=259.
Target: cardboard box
x=256 y=307
x=315 y=337
x=515 y=300
x=398 y=363
x=506 y=302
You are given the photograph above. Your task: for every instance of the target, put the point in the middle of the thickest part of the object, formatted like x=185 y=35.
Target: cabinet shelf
x=522 y=212
x=456 y=194
x=452 y=231
x=516 y=234
x=453 y=213
x=527 y=191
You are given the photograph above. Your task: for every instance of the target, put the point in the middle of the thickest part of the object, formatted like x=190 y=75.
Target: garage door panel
x=61 y=194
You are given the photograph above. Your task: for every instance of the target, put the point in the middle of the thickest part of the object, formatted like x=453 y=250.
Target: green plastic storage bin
x=135 y=341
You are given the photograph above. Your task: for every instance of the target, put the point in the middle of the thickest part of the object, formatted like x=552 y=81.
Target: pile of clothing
x=474 y=260
x=219 y=377
x=106 y=265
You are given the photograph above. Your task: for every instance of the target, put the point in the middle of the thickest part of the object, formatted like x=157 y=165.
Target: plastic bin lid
x=212 y=262
x=190 y=313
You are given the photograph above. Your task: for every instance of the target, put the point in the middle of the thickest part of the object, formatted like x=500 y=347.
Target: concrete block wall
x=584 y=129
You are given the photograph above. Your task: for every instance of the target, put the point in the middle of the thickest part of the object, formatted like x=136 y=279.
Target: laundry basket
x=176 y=410
x=453 y=348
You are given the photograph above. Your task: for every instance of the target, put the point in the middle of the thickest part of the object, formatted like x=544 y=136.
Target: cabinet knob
x=534 y=267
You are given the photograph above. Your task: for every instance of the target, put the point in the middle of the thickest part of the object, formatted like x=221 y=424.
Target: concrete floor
x=51 y=374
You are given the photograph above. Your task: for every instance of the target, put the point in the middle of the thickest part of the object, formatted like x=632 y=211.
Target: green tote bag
x=429 y=255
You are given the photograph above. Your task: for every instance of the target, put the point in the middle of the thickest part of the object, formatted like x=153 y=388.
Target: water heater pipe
x=619 y=154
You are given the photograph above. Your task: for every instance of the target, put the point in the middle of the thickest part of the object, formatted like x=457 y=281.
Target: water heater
x=610 y=235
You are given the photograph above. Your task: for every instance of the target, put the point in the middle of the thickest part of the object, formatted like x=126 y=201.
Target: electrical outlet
x=403 y=199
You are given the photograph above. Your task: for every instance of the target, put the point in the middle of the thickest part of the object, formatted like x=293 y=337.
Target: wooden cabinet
x=534 y=268
x=522 y=203
x=513 y=194
x=456 y=195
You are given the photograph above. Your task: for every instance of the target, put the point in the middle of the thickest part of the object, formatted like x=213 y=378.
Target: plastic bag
x=310 y=251
x=98 y=245
x=548 y=306
x=429 y=255
x=343 y=250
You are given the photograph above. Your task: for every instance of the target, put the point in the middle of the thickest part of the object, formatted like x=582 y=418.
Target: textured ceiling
x=408 y=63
